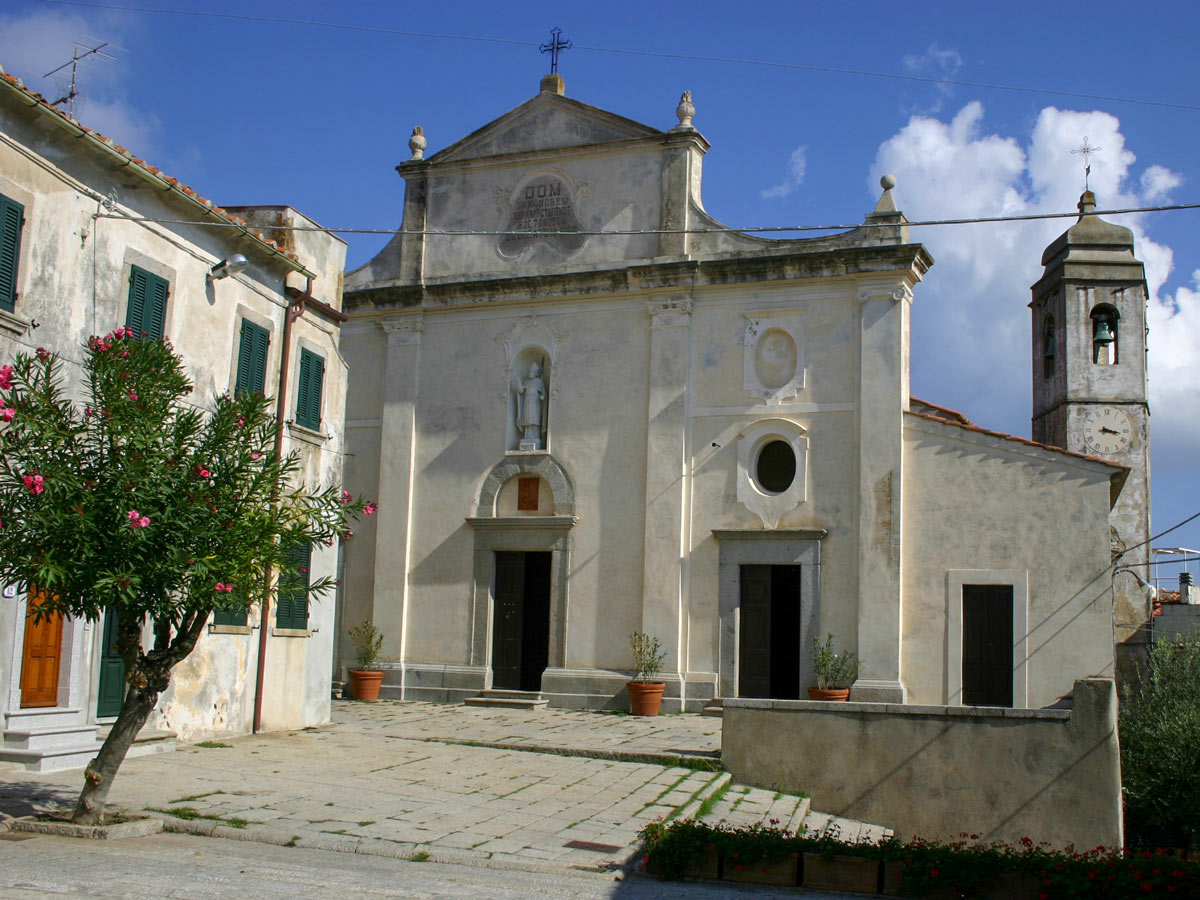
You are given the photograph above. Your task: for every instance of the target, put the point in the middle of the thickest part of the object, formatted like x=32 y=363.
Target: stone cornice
x=680 y=275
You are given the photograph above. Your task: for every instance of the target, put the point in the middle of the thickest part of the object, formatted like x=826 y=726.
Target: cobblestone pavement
x=404 y=779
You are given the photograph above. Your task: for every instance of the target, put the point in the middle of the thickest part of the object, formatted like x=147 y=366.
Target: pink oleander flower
x=87 y=410
x=7 y=413
x=203 y=472
x=241 y=422
x=6 y=373
x=132 y=395
x=34 y=483
x=370 y=508
x=255 y=455
x=41 y=353
x=346 y=498
x=137 y=520
x=227 y=588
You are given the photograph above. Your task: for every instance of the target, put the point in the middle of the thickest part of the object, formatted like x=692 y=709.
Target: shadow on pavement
x=26 y=799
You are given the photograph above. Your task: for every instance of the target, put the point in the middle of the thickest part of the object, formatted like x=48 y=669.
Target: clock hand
x=1104 y=429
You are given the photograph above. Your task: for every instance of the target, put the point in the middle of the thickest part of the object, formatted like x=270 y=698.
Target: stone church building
x=587 y=407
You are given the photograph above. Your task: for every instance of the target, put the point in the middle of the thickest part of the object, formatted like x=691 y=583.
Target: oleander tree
x=140 y=500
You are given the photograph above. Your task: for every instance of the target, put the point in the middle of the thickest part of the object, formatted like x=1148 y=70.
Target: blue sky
x=251 y=112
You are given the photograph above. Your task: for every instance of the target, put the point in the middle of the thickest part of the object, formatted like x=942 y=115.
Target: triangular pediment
x=547 y=122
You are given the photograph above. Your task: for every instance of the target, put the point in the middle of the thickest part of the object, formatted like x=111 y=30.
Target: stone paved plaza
x=405 y=779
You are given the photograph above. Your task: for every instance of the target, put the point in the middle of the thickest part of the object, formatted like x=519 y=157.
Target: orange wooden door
x=40 y=660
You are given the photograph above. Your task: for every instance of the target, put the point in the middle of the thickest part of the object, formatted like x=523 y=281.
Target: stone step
x=50 y=737
x=147 y=742
x=51 y=760
x=509 y=700
x=41 y=717
x=715 y=707
x=743 y=806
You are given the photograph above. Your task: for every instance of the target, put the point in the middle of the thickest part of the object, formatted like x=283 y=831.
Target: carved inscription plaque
x=545 y=208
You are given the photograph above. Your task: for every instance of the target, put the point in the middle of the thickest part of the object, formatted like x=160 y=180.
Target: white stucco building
x=88 y=246
x=587 y=407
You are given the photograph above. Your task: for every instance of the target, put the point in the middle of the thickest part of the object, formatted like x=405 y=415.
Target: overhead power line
x=660 y=54
x=763 y=229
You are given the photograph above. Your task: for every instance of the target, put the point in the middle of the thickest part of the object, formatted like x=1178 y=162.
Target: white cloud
x=935 y=63
x=34 y=43
x=1158 y=181
x=971 y=343
x=797 y=164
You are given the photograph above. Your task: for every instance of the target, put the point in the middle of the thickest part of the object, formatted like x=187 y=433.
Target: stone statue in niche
x=531 y=410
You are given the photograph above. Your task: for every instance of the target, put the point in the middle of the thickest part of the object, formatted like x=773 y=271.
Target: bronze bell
x=1103 y=333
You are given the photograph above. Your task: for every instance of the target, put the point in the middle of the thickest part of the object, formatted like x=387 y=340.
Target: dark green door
x=111 y=690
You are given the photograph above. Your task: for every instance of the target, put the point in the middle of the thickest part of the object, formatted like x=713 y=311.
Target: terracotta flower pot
x=645 y=697
x=829 y=693
x=364 y=683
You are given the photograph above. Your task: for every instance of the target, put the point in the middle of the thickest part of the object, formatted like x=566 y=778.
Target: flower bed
x=967 y=868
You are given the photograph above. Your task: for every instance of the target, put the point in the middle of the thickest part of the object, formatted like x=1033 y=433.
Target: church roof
x=98 y=142
x=946 y=416
x=1089 y=233
x=546 y=121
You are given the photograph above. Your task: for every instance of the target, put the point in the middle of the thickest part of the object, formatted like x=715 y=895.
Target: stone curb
x=378 y=847
x=710 y=759
x=137 y=828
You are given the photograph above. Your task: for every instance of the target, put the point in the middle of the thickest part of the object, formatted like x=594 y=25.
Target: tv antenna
x=81 y=52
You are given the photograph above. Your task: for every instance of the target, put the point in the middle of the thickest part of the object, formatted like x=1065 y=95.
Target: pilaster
x=666 y=476
x=883 y=397
x=397 y=452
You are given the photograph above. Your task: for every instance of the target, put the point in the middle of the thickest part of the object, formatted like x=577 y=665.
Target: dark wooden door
x=110 y=690
x=506 y=620
x=987 y=647
x=521 y=620
x=754 y=632
x=41 y=655
x=785 y=633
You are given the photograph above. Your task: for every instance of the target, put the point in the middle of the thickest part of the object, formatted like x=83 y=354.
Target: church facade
x=588 y=408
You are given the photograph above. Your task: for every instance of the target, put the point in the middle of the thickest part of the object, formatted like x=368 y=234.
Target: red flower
x=933 y=873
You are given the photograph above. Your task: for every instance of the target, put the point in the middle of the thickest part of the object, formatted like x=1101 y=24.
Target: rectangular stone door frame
x=773 y=547
x=521 y=534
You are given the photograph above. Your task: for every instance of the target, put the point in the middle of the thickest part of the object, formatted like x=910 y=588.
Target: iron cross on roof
x=1087 y=166
x=555 y=46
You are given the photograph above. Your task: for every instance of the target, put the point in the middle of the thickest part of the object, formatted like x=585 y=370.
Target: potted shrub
x=645 y=693
x=835 y=672
x=366 y=679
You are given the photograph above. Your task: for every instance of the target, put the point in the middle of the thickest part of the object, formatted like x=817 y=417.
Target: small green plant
x=833 y=670
x=420 y=856
x=648 y=655
x=214 y=745
x=368 y=644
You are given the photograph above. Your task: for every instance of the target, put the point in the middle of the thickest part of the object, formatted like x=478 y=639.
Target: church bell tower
x=1089 y=384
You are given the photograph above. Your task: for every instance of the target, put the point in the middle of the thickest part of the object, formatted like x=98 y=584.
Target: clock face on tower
x=1107 y=430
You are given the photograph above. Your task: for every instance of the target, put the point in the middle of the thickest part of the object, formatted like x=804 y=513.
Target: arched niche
x=512 y=468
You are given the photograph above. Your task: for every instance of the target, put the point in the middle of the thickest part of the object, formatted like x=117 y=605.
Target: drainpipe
x=295 y=310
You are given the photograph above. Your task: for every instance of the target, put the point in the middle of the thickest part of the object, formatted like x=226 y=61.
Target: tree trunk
x=99 y=774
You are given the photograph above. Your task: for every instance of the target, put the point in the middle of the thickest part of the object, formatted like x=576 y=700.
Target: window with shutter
x=253 y=341
x=12 y=218
x=147 y=310
x=308 y=390
x=230 y=617
x=291 y=605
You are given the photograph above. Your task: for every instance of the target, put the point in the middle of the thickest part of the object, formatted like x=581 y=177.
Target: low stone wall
x=938 y=771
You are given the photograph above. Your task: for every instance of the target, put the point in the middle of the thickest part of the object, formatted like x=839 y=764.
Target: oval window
x=776 y=468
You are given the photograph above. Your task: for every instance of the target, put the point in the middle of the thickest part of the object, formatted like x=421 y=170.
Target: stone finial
x=685 y=110
x=887 y=203
x=554 y=84
x=417 y=143
x=1087 y=203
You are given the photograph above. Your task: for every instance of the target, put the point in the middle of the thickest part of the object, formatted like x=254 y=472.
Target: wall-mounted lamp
x=226 y=267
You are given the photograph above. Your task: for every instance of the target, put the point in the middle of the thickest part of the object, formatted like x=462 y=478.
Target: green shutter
x=235 y=616
x=12 y=217
x=252 y=359
x=147 y=311
x=308 y=390
x=291 y=605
